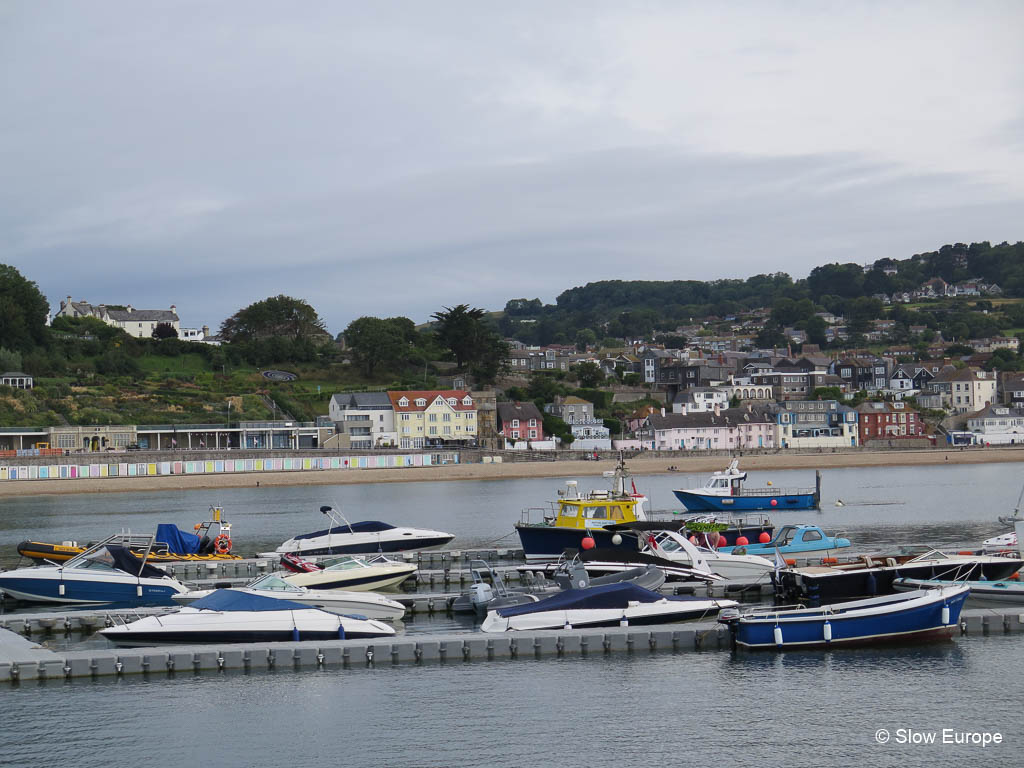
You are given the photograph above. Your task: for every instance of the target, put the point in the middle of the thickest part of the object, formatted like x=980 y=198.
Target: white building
x=139 y=323
x=998 y=425
x=367 y=419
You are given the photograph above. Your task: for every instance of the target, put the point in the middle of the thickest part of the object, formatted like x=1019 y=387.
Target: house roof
x=728 y=417
x=429 y=396
x=885 y=407
x=142 y=315
x=361 y=400
x=507 y=412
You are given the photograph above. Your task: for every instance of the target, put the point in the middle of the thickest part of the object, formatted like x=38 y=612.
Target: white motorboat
x=231 y=616
x=368 y=604
x=368 y=536
x=611 y=605
x=358 y=574
x=116 y=570
x=676 y=547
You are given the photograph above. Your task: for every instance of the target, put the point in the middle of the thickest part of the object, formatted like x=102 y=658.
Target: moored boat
x=230 y=616
x=920 y=615
x=576 y=516
x=724 y=491
x=791 y=539
x=211 y=540
x=347 y=572
x=874 y=575
x=116 y=570
x=606 y=606
x=364 y=537
x=368 y=604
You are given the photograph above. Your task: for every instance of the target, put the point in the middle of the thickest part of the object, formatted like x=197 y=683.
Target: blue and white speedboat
x=792 y=539
x=364 y=537
x=231 y=616
x=611 y=605
x=923 y=614
x=724 y=492
x=113 y=571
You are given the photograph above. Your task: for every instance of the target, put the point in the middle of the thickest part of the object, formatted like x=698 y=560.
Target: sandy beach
x=639 y=465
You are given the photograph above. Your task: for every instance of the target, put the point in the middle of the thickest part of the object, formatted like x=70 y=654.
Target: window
x=447 y=417
x=452 y=402
x=433 y=430
x=533 y=433
x=405 y=417
x=420 y=402
x=533 y=422
x=515 y=423
x=515 y=435
x=403 y=402
x=432 y=417
x=467 y=400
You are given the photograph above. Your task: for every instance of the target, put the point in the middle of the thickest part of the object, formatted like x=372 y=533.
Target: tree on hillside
x=276 y=316
x=164 y=331
x=588 y=374
x=468 y=335
x=23 y=311
x=376 y=343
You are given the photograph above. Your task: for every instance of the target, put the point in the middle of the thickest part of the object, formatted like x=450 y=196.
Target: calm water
x=948 y=506
x=813 y=708
x=798 y=709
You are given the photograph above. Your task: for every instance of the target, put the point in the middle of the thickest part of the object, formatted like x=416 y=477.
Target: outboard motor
x=480 y=594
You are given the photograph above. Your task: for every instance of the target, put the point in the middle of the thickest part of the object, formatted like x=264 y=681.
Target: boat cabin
x=597 y=512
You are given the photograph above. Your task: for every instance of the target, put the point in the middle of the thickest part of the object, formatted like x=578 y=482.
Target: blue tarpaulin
x=178 y=541
x=233 y=600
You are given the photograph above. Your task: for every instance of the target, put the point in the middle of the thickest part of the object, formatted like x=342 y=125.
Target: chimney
x=663 y=412
x=68 y=304
x=129 y=308
x=174 y=309
x=718 y=410
x=206 y=331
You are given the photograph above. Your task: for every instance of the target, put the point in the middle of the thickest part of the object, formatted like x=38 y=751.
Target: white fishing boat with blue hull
x=108 y=572
x=921 y=615
x=364 y=537
x=230 y=616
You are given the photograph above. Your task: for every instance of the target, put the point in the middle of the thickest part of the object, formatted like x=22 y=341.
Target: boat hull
x=984 y=594
x=700 y=502
x=927 y=617
x=192 y=625
x=356 y=582
x=337 y=545
x=646 y=614
x=58 y=553
x=49 y=585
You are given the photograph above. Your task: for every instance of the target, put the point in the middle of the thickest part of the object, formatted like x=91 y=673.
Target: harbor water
x=800 y=708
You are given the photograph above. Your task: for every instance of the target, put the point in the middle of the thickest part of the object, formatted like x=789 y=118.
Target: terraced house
x=434 y=418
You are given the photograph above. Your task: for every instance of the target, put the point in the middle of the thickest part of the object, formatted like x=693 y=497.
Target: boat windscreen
x=366 y=526
x=610 y=596
x=275 y=583
x=125 y=561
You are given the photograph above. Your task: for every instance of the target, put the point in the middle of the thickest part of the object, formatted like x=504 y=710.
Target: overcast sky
x=391 y=158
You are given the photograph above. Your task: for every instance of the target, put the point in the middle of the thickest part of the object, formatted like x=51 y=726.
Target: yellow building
x=434 y=418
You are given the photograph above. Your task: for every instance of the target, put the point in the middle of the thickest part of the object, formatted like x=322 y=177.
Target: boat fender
x=777 y=634
x=295 y=634
x=222 y=544
x=828 y=632
x=945 y=615
x=341 y=632
x=872 y=584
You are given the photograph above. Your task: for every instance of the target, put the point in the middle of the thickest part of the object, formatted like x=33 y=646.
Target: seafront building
x=139 y=323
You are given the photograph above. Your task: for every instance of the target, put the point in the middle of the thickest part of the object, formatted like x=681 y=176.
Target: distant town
x=930 y=358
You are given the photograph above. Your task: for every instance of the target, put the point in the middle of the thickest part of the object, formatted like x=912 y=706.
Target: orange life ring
x=222 y=544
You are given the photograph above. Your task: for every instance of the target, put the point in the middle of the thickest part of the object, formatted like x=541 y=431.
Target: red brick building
x=887 y=421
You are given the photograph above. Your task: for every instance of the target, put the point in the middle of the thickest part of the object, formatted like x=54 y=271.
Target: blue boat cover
x=366 y=526
x=607 y=596
x=178 y=541
x=234 y=600
x=125 y=561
